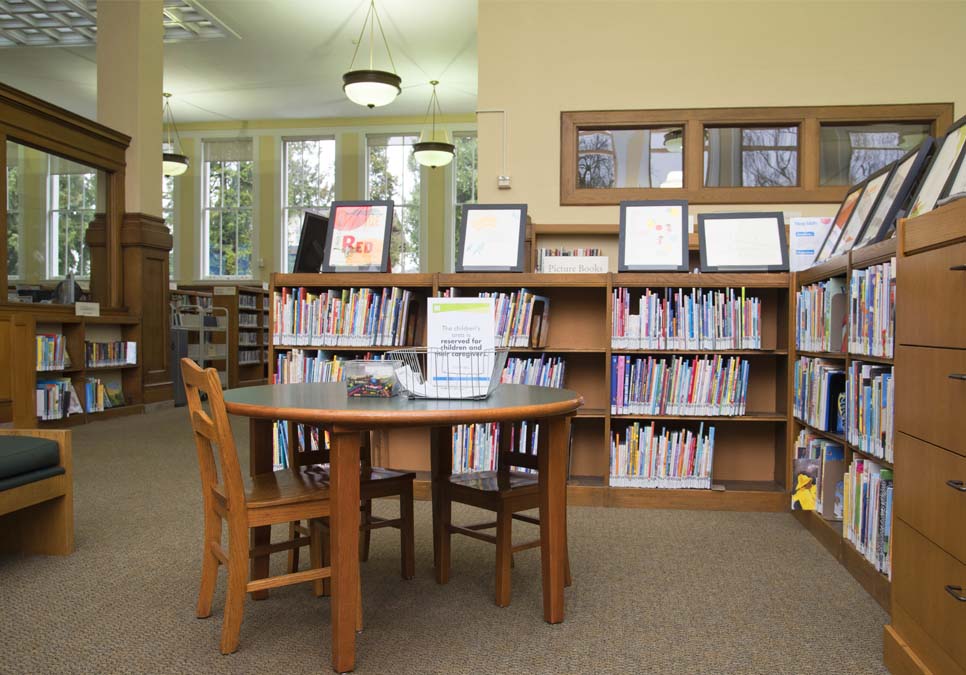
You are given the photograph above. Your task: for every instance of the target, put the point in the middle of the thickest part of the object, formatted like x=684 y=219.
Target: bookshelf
x=845 y=269
x=81 y=367
x=750 y=458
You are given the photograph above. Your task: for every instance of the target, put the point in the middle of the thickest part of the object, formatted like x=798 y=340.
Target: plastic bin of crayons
x=371 y=379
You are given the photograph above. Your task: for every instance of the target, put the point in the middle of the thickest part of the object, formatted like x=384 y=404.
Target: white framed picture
x=491 y=238
x=743 y=242
x=653 y=236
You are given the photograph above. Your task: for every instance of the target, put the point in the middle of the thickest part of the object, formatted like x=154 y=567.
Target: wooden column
x=146 y=245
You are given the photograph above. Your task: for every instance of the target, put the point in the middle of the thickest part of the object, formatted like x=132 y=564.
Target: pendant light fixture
x=371 y=88
x=173 y=163
x=436 y=149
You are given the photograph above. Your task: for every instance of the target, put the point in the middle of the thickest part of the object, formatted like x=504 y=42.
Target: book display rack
x=844 y=393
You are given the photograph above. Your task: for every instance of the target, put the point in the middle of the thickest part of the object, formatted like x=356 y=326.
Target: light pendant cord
x=372 y=17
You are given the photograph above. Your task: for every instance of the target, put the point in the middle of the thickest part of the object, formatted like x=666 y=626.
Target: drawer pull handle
x=957 y=485
x=958 y=268
x=958 y=376
x=956 y=592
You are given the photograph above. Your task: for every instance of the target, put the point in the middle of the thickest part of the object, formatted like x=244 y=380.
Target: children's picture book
x=805 y=482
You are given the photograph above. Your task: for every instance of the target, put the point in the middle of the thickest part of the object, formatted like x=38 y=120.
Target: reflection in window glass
x=751 y=157
x=850 y=153
x=630 y=158
x=464 y=179
x=393 y=173
x=167 y=212
x=14 y=214
x=71 y=207
x=309 y=184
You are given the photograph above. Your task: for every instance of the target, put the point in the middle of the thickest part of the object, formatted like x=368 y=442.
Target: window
x=167 y=212
x=309 y=174
x=464 y=180
x=72 y=202
x=393 y=173
x=851 y=153
x=621 y=158
x=14 y=213
x=751 y=156
x=229 y=191
x=735 y=155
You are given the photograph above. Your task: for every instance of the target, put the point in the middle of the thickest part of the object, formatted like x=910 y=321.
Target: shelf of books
x=703 y=403
x=842 y=472
x=86 y=368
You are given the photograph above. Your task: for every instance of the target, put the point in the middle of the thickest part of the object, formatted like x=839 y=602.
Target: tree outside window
x=464 y=177
x=393 y=173
x=14 y=218
x=228 y=212
x=309 y=184
x=167 y=212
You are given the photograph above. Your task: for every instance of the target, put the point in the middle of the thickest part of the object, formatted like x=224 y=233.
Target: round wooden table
x=327 y=405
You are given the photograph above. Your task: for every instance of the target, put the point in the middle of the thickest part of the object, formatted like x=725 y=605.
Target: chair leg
x=366 y=518
x=443 y=537
x=568 y=580
x=315 y=554
x=325 y=547
x=407 y=536
x=504 y=555
x=359 y=605
x=235 y=592
x=209 y=565
x=293 y=553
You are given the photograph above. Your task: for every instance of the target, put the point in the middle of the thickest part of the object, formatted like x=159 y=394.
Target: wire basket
x=439 y=374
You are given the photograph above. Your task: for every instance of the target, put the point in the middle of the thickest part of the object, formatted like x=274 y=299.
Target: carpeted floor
x=654 y=591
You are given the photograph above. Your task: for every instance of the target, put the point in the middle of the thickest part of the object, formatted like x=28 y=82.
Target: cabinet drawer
x=929 y=298
x=929 y=403
x=921 y=572
x=925 y=500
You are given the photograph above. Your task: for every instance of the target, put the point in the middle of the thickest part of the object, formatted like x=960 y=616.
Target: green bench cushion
x=25 y=454
x=30 y=477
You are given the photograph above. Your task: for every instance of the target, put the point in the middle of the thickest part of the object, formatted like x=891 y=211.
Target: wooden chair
x=375 y=482
x=265 y=499
x=505 y=492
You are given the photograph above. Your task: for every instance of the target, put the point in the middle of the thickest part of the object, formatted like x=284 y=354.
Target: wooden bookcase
x=829 y=533
x=76 y=331
x=751 y=460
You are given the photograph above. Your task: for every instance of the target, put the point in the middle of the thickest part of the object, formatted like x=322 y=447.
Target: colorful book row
x=872 y=310
x=522 y=318
x=868 y=512
x=821 y=309
x=117 y=353
x=348 y=317
x=56 y=399
x=678 y=386
x=870 y=404
x=817 y=476
x=820 y=394
x=100 y=395
x=686 y=319
x=51 y=352
x=297 y=366
x=648 y=458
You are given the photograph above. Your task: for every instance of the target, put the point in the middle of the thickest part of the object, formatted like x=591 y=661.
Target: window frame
x=454 y=207
x=807 y=119
x=53 y=243
x=421 y=213
x=283 y=194
x=254 y=266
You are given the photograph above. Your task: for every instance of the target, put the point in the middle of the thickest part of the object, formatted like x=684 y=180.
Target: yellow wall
x=350 y=136
x=538 y=58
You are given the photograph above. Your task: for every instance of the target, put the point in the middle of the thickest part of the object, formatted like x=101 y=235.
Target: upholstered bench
x=36 y=492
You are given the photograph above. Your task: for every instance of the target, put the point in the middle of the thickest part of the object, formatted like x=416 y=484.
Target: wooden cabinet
x=928 y=630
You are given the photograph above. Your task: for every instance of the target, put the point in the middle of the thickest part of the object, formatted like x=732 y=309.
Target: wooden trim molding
x=808 y=121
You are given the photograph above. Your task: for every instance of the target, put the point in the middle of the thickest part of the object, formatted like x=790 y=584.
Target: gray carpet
x=654 y=591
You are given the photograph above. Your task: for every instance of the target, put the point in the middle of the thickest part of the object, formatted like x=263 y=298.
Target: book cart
x=750 y=461
x=846 y=354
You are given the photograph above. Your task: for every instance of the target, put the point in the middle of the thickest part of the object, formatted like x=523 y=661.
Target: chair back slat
x=212 y=430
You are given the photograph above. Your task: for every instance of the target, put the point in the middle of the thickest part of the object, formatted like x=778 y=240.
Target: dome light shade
x=434 y=148
x=174 y=164
x=674 y=140
x=371 y=88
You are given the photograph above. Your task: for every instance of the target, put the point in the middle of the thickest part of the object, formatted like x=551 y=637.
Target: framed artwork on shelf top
x=872 y=190
x=653 y=236
x=491 y=238
x=357 y=239
x=956 y=185
x=838 y=223
x=882 y=222
x=936 y=180
x=743 y=242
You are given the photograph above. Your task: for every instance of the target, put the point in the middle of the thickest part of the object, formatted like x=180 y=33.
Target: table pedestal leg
x=441 y=461
x=260 y=461
x=552 y=462
x=344 y=533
